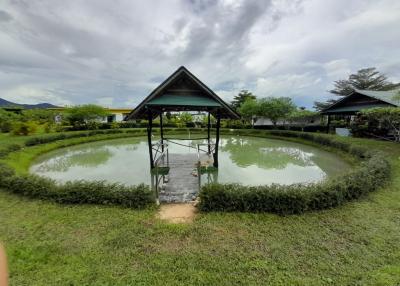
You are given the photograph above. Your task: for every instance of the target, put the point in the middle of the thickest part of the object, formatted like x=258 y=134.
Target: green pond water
x=247 y=160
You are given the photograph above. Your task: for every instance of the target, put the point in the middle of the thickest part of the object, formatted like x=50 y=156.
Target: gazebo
x=182 y=91
x=358 y=100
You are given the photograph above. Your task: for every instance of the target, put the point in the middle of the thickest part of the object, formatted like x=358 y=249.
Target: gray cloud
x=5 y=17
x=73 y=52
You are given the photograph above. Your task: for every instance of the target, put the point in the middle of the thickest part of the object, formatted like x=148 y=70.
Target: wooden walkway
x=183 y=180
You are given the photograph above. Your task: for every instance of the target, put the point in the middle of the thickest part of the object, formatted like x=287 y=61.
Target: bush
x=298 y=198
x=77 y=192
x=6 y=126
x=293 y=199
x=10 y=148
x=61 y=136
x=24 y=128
x=5 y=172
x=81 y=192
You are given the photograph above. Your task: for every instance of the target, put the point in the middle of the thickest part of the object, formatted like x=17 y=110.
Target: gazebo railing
x=161 y=150
x=210 y=149
x=161 y=166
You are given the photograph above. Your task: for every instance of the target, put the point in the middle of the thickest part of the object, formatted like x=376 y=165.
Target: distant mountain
x=6 y=103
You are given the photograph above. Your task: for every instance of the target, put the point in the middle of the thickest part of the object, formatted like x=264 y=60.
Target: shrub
x=10 y=148
x=61 y=136
x=81 y=192
x=6 y=126
x=5 y=172
x=31 y=186
x=24 y=128
x=77 y=192
x=370 y=175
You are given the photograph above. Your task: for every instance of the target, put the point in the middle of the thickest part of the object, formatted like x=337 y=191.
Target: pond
x=247 y=160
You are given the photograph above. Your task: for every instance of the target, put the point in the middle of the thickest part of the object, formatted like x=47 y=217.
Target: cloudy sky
x=114 y=53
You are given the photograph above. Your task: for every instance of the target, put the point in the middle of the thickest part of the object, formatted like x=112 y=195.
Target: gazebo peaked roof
x=182 y=91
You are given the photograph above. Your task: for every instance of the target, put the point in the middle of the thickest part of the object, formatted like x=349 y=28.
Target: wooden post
x=208 y=132
x=217 y=140
x=149 y=128
x=329 y=123
x=161 y=132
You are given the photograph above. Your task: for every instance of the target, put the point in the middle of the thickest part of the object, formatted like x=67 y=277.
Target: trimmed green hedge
x=37 y=140
x=9 y=149
x=76 y=192
x=373 y=172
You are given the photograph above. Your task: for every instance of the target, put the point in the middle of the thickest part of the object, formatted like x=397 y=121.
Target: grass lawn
x=51 y=244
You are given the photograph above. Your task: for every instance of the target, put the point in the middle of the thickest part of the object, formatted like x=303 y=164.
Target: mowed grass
x=357 y=244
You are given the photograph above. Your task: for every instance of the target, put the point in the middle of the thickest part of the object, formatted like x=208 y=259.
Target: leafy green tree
x=388 y=117
x=7 y=118
x=301 y=117
x=212 y=120
x=275 y=108
x=39 y=115
x=249 y=110
x=185 y=117
x=24 y=128
x=368 y=78
x=85 y=114
x=239 y=99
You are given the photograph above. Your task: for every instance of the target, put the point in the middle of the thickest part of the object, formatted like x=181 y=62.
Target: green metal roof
x=353 y=108
x=183 y=100
x=182 y=91
x=386 y=96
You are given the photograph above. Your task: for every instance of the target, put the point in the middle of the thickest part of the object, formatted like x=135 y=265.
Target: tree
x=388 y=117
x=41 y=116
x=249 y=109
x=320 y=105
x=7 y=119
x=84 y=114
x=368 y=78
x=275 y=108
x=185 y=117
x=239 y=99
x=301 y=117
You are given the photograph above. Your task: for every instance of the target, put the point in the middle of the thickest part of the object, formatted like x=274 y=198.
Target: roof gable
x=362 y=99
x=182 y=91
x=386 y=96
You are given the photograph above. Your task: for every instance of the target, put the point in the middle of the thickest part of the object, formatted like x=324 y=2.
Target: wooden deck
x=183 y=181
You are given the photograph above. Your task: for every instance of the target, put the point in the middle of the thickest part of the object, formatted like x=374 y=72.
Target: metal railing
x=158 y=179
x=210 y=149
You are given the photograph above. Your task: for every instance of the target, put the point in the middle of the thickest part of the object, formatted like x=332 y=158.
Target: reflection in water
x=264 y=153
x=91 y=157
x=247 y=160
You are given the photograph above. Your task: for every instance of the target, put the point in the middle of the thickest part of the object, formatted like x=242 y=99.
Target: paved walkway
x=183 y=183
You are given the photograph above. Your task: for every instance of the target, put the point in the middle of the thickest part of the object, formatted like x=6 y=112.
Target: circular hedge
x=372 y=173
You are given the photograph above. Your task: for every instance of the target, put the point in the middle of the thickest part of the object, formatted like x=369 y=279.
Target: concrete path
x=183 y=183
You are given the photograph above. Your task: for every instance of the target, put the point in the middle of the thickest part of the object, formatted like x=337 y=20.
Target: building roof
x=386 y=96
x=183 y=100
x=377 y=99
x=182 y=91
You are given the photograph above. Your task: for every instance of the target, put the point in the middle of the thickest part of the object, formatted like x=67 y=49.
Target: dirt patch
x=177 y=213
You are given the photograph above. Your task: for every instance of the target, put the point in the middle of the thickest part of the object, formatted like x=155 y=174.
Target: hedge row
x=9 y=149
x=37 y=140
x=320 y=139
x=299 y=198
x=76 y=192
